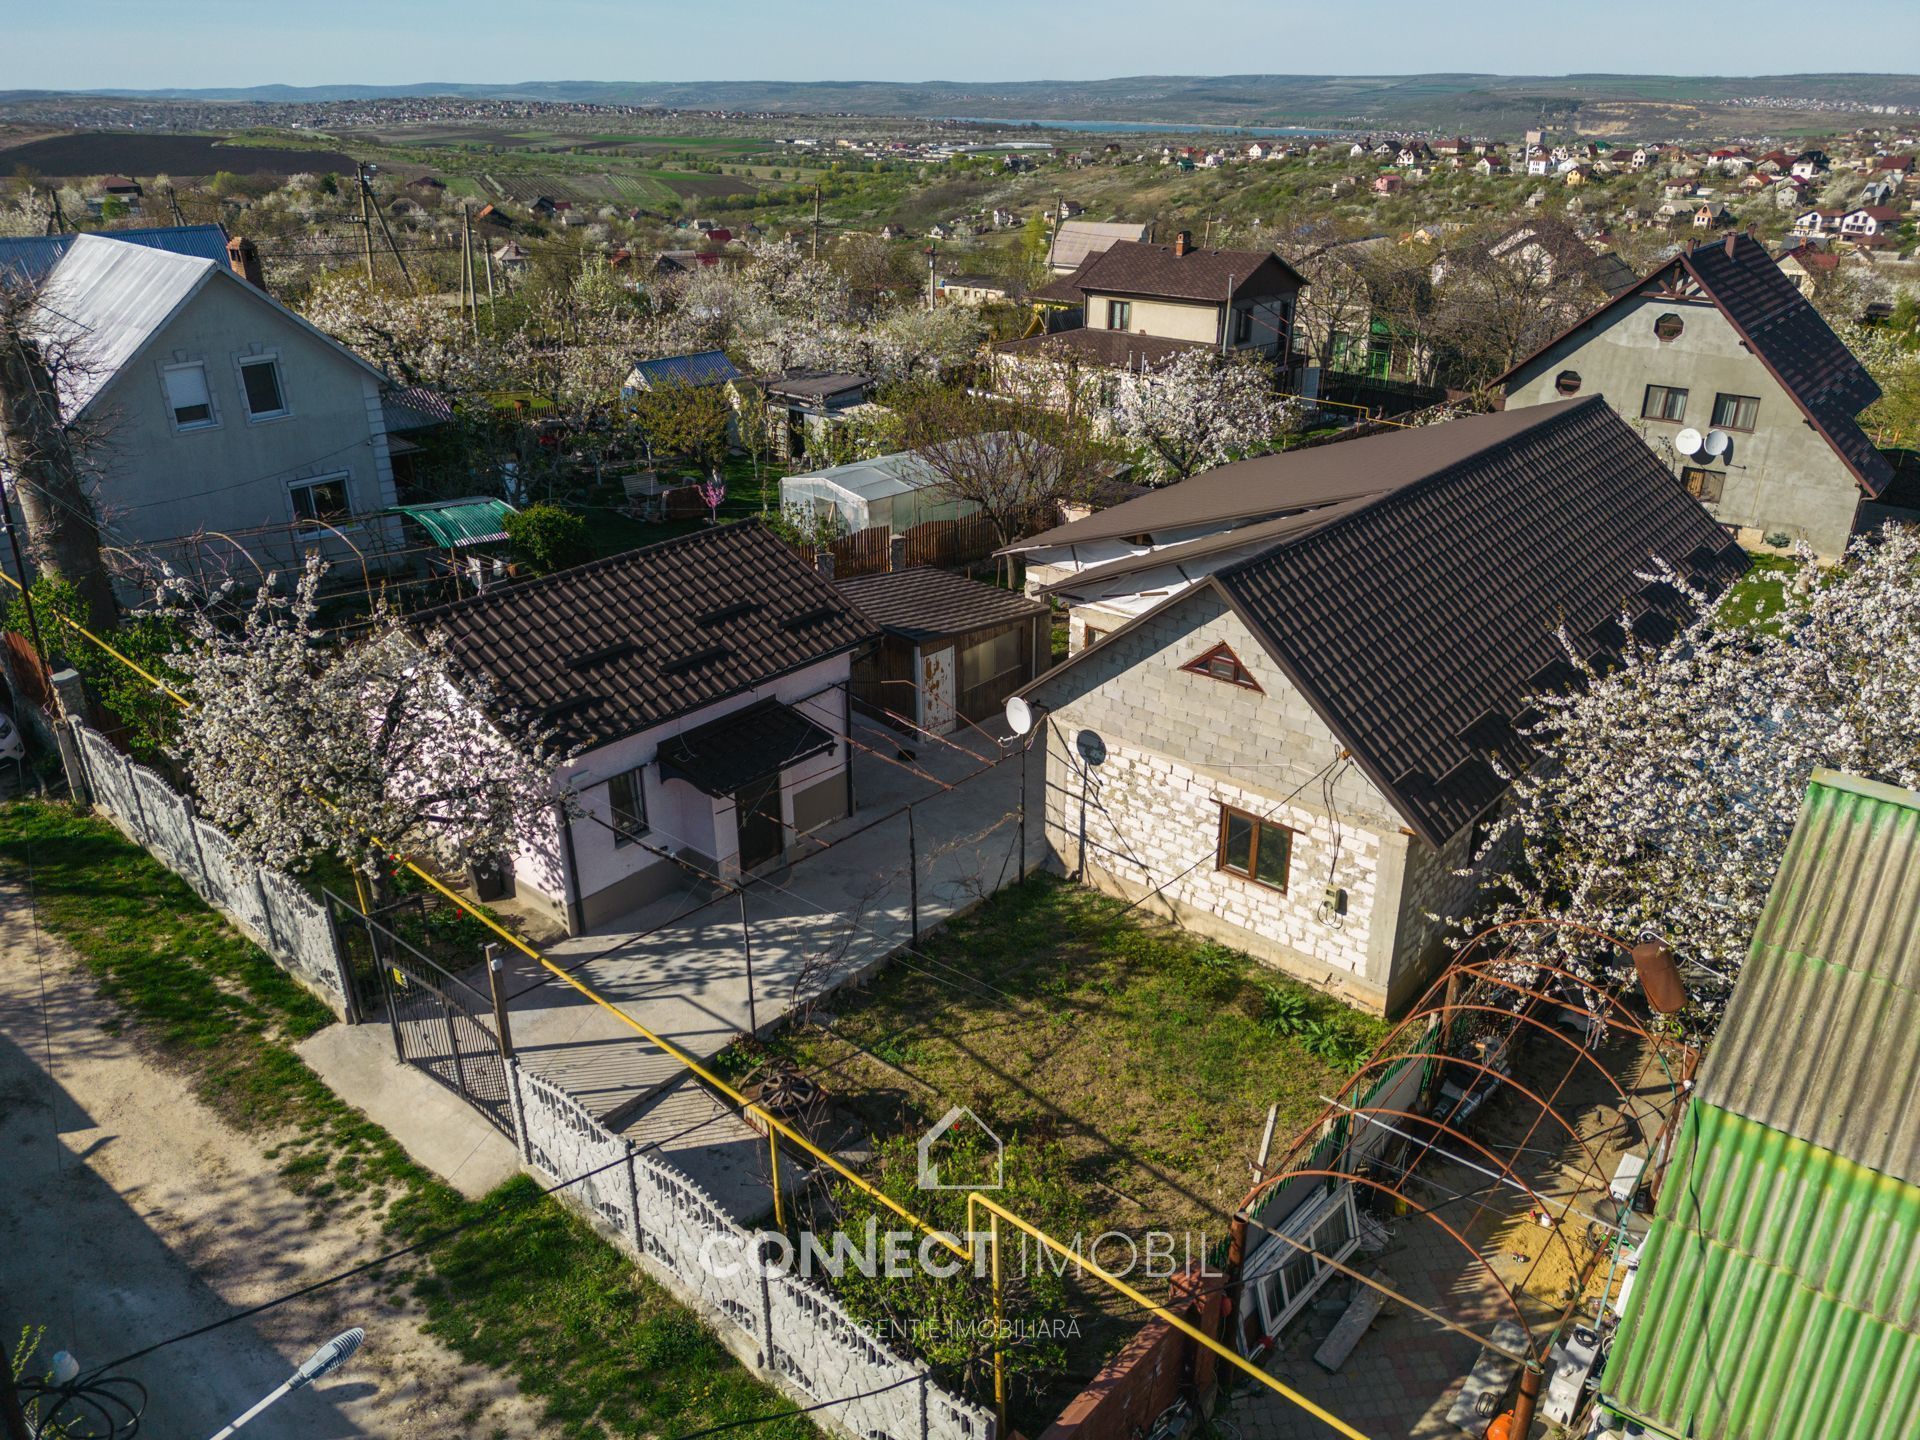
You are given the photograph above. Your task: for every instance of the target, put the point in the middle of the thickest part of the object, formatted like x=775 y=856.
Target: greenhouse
x=898 y=491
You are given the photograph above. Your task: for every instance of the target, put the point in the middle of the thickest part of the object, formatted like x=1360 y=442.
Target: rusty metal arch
x=1427 y=1214
x=1508 y=1080
x=1554 y=1031
x=1622 y=1016
x=1460 y=1135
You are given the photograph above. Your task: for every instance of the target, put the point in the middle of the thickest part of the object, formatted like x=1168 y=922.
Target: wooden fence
x=944 y=544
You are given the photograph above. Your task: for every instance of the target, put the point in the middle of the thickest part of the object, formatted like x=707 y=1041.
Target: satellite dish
x=1687 y=442
x=1019 y=715
x=1718 y=442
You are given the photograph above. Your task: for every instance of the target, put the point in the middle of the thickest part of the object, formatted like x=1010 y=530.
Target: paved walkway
x=681 y=966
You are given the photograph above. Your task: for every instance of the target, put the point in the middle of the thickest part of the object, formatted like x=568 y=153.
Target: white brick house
x=1294 y=753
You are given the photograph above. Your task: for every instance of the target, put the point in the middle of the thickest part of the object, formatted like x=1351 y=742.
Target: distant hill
x=1385 y=101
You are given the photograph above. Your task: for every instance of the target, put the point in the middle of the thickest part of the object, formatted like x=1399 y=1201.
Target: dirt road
x=129 y=1212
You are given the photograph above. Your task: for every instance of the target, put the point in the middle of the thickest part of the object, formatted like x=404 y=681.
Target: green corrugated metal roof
x=456 y=523
x=1822 y=1038
x=1778 y=1294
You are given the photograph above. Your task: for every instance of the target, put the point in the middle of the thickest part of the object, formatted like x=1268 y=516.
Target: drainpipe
x=576 y=911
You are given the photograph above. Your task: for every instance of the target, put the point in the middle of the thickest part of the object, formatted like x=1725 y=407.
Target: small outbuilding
x=897 y=491
x=951 y=649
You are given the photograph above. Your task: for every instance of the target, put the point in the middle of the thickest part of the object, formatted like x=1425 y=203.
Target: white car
x=12 y=747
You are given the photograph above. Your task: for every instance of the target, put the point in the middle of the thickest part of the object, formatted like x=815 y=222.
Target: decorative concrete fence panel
x=793 y=1332
x=270 y=907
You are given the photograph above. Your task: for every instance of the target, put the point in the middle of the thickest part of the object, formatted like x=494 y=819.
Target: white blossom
x=1199 y=410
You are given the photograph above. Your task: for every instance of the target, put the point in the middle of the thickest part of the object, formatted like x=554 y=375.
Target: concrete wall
x=611 y=879
x=1781 y=478
x=157 y=482
x=1174 y=747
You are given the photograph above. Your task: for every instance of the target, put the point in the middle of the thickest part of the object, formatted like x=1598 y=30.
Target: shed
x=951 y=649
x=701 y=368
x=898 y=491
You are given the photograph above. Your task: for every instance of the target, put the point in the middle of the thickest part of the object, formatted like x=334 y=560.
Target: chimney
x=1732 y=236
x=823 y=563
x=245 y=260
x=1183 y=242
x=897 y=553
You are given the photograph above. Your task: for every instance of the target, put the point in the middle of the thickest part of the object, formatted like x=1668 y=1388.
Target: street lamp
x=330 y=1356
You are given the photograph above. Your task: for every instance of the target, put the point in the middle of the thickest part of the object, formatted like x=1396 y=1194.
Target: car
x=12 y=746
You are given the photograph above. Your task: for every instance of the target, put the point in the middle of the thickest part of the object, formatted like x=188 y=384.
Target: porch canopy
x=727 y=755
x=456 y=524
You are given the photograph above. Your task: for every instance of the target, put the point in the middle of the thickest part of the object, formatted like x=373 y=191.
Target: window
x=1242 y=326
x=1093 y=637
x=324 y=499
x=627 y=805
x=1704 y=485
x=1735 y=412
x=1119 y=314
x=1567 y=382
x=260 y=380
x=188 y=397
x=1668 y=327
x=1664 y=402
x=1220 y=663
x=1254 y=849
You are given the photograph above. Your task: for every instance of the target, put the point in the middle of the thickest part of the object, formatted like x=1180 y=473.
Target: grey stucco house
x=1719 y=347
x=1295 y=753
x=205 y=405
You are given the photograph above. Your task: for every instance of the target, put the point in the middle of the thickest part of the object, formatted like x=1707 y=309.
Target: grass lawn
x=531 y=1290
x=1761 y=593
x=1147 y=1055
x=615 y=532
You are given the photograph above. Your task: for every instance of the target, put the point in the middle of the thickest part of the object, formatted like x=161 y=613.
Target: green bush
x=547 y=538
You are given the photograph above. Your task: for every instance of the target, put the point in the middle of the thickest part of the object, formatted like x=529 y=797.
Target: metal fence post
x=633 y=1198
x=496 y=982
x=746 y=941
x=453 y=1044
x=913 y=879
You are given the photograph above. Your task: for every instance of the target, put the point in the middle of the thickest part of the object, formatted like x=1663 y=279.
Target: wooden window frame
x=1646 y=404
x=1202 y=665
x=1561 y=386
x=1252 y=873
x=1668 y=320
x=1119 y=314
x=1738 y=401
x=1694 y=479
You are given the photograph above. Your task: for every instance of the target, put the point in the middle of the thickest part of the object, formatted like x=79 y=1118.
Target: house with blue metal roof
x=706 y=367
x=29 y=259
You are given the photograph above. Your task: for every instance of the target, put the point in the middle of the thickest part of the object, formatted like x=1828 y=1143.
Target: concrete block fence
x=789 y=1330
x=270 y=908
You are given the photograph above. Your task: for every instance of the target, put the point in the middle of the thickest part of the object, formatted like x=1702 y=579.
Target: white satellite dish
x=1687 y=442
x=1019 y=715
x=1718 y=442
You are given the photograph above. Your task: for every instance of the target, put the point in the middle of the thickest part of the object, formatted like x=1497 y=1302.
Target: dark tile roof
x=1785 y=333
x=1120 y=349
x=1136 y=268
x=1419 y=625
x=926 y=604
x=743 y=747
x=1065 y=289
x=815 y=385
x=611 y=648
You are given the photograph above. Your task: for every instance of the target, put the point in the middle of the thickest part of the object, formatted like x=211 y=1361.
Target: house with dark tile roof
x=1143 y=304
x=700 y=686
x=1295 y=745
x=1736 y=383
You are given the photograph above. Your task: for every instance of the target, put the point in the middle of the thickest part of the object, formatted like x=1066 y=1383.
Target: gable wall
x=1146 y=817
x=1782 y=477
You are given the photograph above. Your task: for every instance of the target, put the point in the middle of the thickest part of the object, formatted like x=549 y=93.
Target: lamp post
x=330 y=1356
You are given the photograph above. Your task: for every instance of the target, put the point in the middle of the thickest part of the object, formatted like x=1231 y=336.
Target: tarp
x=454 y=524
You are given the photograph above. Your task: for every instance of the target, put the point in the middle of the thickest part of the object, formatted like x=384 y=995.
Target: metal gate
x=441 y=1024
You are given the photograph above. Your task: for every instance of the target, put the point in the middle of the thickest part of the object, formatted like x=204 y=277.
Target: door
x=758 y=810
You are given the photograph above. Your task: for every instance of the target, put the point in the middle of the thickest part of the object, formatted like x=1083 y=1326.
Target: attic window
x=1567 y=382
x=1220 y=663
x=1668 y=327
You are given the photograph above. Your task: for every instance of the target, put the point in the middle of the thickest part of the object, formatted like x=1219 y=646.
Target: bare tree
x=42 y=456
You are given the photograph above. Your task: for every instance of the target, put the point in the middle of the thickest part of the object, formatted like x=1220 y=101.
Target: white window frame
x=1265 y=1272
x=212 y=422
x=262 y=357
x=307 y=482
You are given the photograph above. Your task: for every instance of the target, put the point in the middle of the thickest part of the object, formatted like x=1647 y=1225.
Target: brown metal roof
x=1121 y=349
x=926 y=604
x=1269 y=485
x=1211 y=276
x=1785 y=333
x=612 y=648
x=1822 y=1038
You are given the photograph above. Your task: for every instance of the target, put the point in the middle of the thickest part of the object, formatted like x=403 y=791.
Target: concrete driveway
x=680 y=966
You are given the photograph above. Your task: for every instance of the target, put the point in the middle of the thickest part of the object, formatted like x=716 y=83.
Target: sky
x=153 y=44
